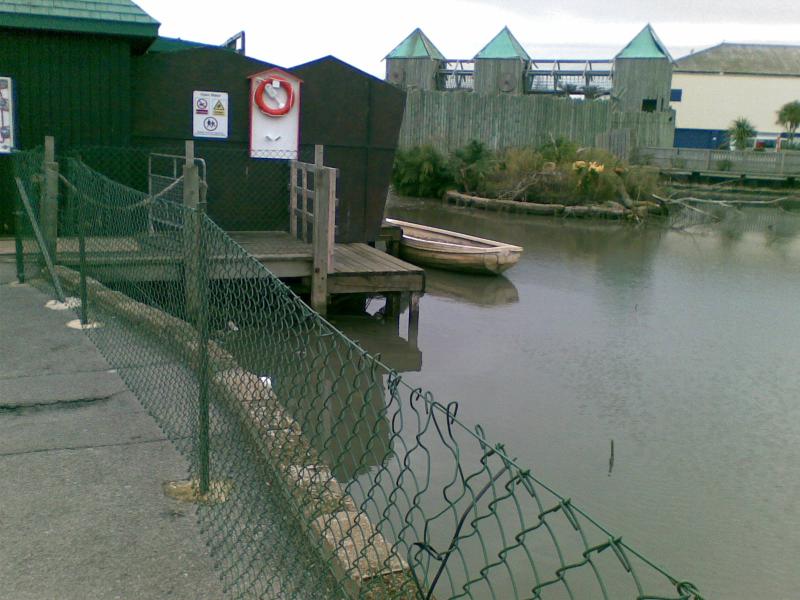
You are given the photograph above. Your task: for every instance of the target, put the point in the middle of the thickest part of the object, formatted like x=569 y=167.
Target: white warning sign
x=6 y=115
x=210 y=114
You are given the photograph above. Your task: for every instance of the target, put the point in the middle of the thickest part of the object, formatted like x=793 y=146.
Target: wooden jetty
x=307 y=254
x=726 y=164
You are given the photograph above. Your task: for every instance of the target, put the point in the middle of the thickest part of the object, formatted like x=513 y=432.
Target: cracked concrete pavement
x=82 y=512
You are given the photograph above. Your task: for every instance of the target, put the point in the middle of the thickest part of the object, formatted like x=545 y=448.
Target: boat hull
x=442 y=249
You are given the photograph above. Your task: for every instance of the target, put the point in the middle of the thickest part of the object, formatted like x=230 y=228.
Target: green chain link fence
x=319 y=472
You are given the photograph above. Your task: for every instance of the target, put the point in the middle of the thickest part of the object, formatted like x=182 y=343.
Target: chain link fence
x=318 y=472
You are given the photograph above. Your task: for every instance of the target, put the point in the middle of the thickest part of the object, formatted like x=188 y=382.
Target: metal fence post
x=202 y=332
x=191 y=200
x=48 y=211
x=18 y=247
x=82 y=260
x=196 y=274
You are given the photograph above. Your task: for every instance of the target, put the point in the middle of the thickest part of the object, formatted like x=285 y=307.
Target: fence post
x=293 y=199
x=82 y=260
x=48 y=211
x=202 y=334
x=324 y=179
x=18 y=246
x=191 y=200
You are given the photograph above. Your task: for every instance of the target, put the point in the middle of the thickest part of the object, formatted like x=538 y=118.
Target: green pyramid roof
x=109 y=17
x=645 y=45
x=416 y=45
x=503 y=45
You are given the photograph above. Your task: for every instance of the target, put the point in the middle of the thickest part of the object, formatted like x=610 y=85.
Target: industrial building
x=713 y=87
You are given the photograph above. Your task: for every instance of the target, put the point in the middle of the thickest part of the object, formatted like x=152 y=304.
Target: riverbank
x=608 y=210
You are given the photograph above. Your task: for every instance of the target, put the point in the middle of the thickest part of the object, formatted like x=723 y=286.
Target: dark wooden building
x=71 y=66
x=104 y=79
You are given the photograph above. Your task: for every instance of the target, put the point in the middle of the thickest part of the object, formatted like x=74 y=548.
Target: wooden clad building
x=96 y=74
x=414 y=63
x=500 y=66
x=643 y=74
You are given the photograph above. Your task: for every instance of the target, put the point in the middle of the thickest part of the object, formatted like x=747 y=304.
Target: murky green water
x=683 y=348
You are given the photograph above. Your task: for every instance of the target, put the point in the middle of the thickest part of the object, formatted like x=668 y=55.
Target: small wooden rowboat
x=443 y=249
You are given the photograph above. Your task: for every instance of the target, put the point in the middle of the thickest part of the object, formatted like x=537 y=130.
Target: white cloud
x=363 y=32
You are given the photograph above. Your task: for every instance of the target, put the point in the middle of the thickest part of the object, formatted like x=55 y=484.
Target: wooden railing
x=312 y=219
x=745 y=162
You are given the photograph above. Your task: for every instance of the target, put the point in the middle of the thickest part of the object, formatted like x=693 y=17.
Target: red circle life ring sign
x=274 y=111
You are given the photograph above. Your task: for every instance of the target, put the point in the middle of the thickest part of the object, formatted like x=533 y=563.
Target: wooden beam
x=323 y=179
x=293 y=192
x=413 y=319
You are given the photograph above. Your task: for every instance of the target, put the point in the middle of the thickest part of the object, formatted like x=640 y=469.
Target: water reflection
x=480 y=291
x=381 y=337
x=335 y=395
x=678 y=345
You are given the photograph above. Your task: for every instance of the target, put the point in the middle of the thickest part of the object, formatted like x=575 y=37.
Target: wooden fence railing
x=312 y=218
x=746 y=162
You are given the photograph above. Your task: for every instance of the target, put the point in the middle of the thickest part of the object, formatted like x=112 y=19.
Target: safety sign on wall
x=274 y=114
x=6 y=115
x=210 y=110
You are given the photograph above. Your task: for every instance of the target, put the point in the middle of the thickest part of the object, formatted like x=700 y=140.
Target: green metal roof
x=105 y=17
x=645 y=45
x=503 y=45
x=168 y=44
x=416 y=45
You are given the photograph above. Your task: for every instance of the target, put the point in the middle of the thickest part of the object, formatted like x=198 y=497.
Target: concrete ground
x=82 y=511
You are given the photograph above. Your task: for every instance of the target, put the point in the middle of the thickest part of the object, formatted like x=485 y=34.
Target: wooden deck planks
x=358 y=268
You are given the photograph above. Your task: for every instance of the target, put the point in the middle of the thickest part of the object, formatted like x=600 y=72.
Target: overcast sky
x=362 y=32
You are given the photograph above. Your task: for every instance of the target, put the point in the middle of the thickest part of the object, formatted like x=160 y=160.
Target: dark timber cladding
x=76 y=88
x=356 y=117
x=70 y=62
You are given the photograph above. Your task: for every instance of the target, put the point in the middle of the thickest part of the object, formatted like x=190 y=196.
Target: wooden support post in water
x=413 y=319
x=393 y=305
x=48 y=210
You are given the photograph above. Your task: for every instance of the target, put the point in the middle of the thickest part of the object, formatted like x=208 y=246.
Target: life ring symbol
x=274 y=111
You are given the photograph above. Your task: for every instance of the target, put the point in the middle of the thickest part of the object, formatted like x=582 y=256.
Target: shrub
x=559 y=150
x=516 y=172
x=422 y=172
x=597 y=182
x=598 y=155
x=642 y=182
x=471 y=166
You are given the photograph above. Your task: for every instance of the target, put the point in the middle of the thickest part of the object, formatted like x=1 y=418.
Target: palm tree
x=740 y=132
x=789 y=117
x=591 y=92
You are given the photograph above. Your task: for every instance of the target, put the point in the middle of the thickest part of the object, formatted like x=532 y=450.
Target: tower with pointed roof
x=643 y=74
x=414 y=63
x=500 y=65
